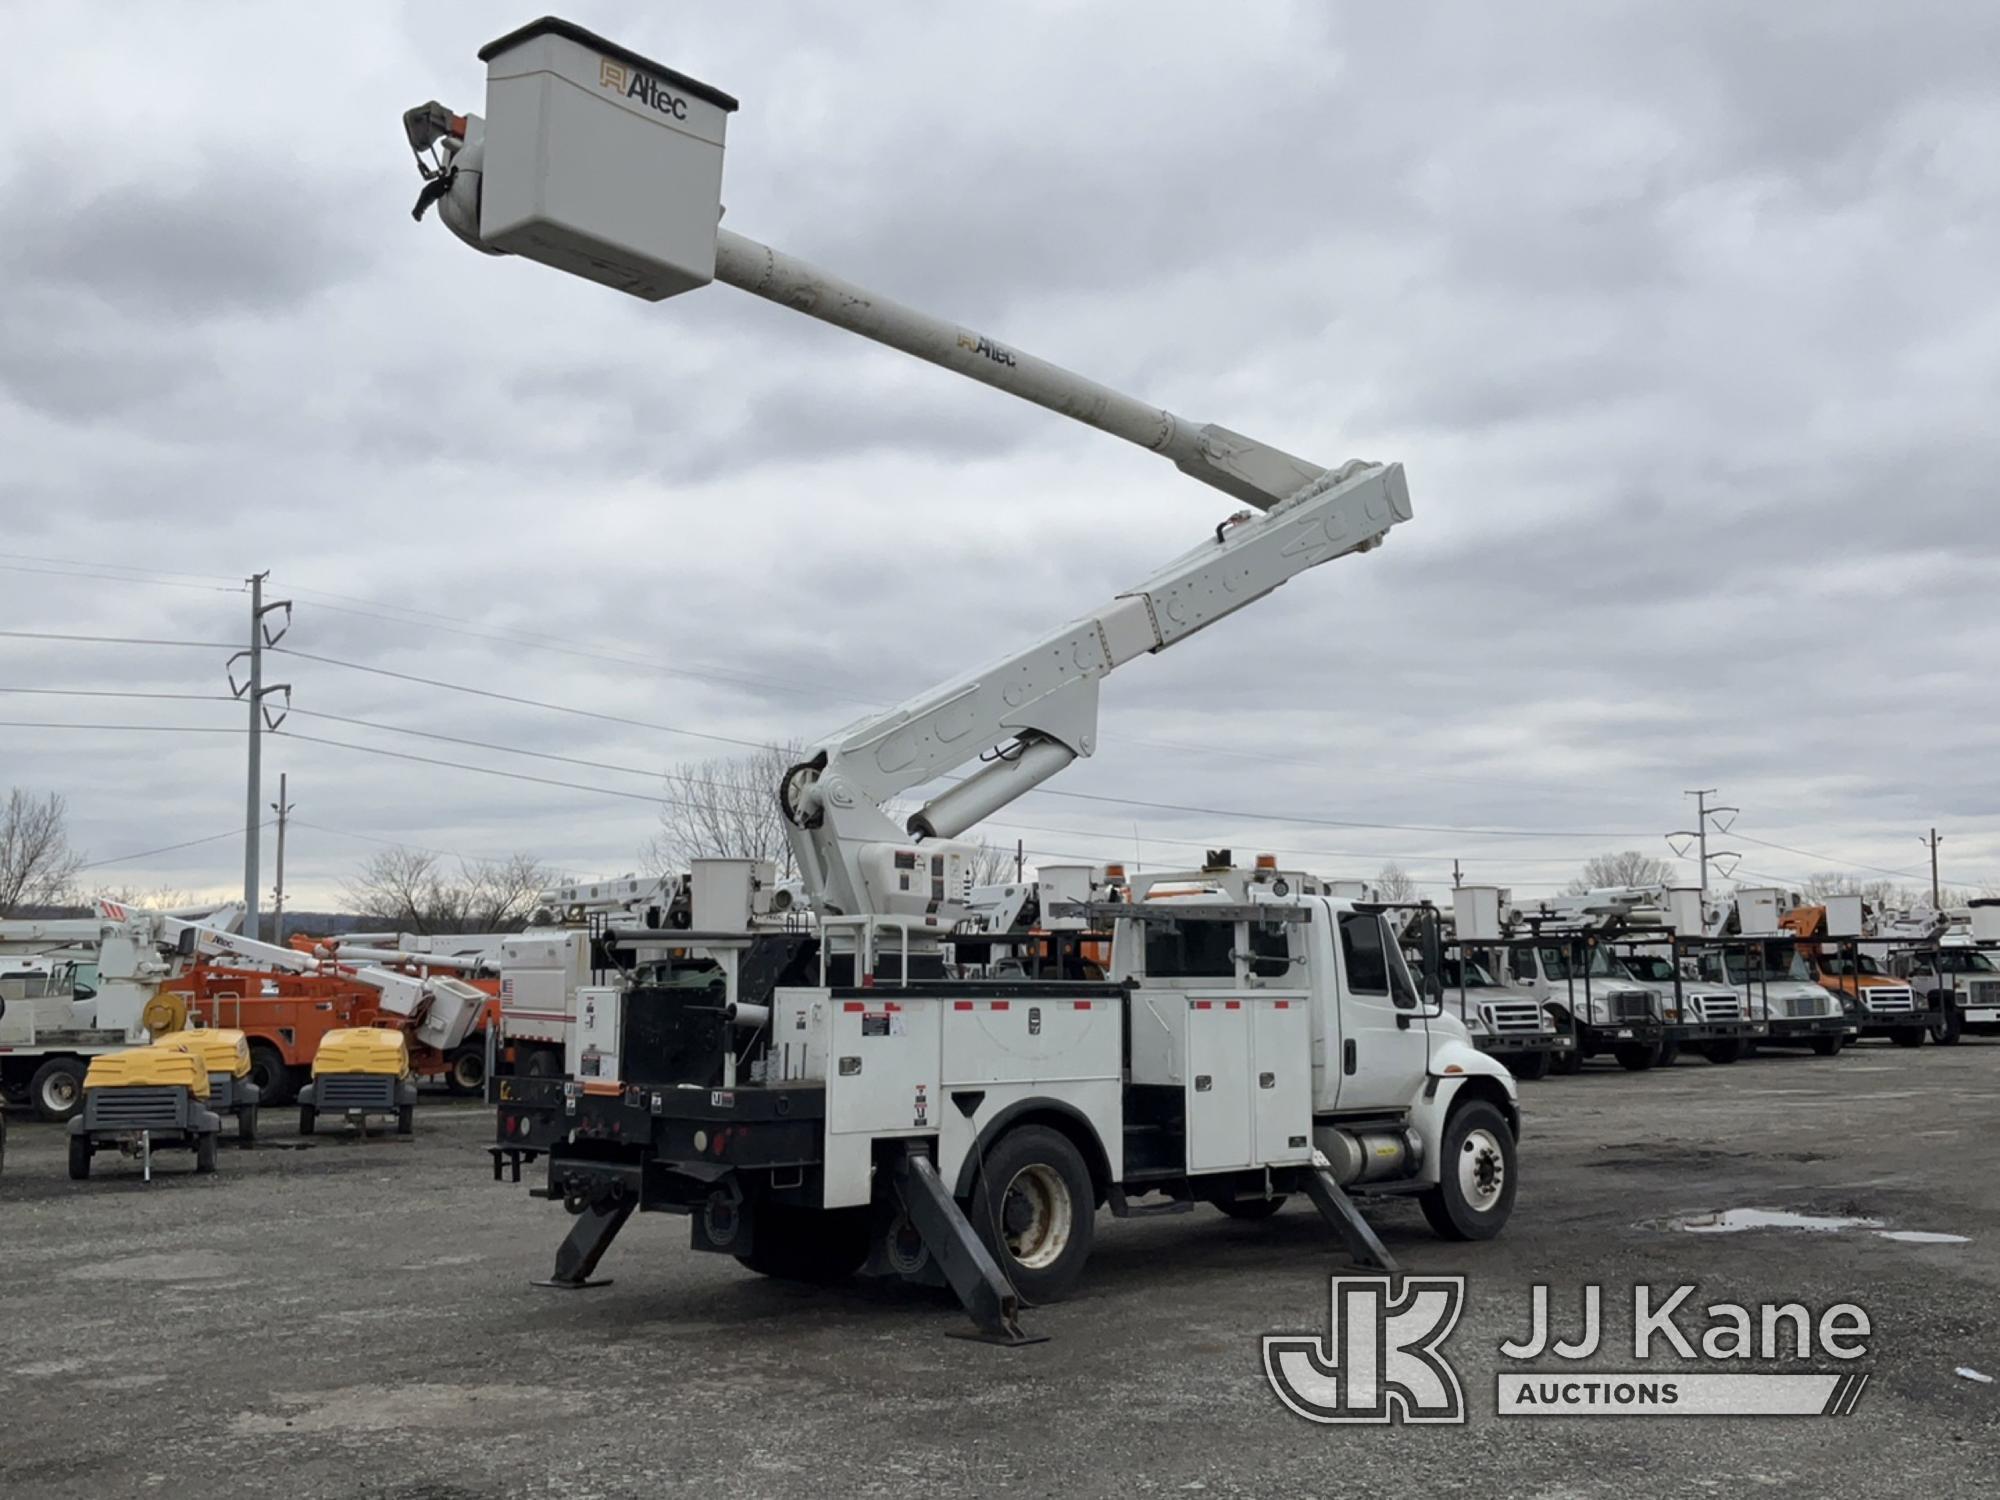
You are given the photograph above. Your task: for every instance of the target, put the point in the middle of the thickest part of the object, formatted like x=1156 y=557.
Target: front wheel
x=1634 y=1058
x=1728 y=1051
x=56 y=1090
x=406 y=1119
x=1034 y=1206
x=80 y=1153
x=465 y=1069
x=308 y=1117
x=1528 y=1066
x=1475 y=1194
x=246 y=1125
x=1828 y=1046
x=204 y=1153
x=1568 y=1062
x=1907 y=1036
x=1948 y=1028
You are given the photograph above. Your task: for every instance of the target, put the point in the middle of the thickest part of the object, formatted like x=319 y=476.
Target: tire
x=204 y=1153
x=1670 y=1051
x=1634 y=1058
x=1567 y=1064
x=3 y=1141
x=1725 y=1052
x=465 y=1070
x=1250 y=1208
x=1529 y=1066
x=56 y=1090
x=270 y=1073
x=1034 y=1205
x=1828 y=1046
x=1908 y=1036
x=817 y=1246
x=406 y=1119
x=541 y=1062
x=308 y=1117
x=246 y=1125
x=1476 y=1196
x=80 y=1152
x=1947 y=1031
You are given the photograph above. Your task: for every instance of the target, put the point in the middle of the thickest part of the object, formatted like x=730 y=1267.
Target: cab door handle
x=1347 y=1056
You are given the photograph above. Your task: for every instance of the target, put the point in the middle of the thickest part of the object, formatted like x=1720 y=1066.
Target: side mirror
x=1430 y=936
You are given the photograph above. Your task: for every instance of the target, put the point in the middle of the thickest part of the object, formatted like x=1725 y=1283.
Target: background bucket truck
x=821 y=1102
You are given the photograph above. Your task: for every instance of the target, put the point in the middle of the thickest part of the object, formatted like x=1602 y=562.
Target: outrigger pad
x=596 y=1227
x=1331 y=1199
x=983 y=1290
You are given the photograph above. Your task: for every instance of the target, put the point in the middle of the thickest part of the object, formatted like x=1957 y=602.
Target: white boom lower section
x=1043 y=698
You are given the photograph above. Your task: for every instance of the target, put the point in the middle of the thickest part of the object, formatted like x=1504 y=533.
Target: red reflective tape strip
x=1284 y=1005
x=891 y=1005
x=853 y=1005
x=1232 y=1004
x=1000 y=1004
x=961 y=1005
x=1082 y=1004
x=1203 y=1004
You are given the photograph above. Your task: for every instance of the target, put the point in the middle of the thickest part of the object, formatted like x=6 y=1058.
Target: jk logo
x=1379 y=1361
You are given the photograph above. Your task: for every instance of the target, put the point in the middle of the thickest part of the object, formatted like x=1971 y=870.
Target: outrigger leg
x=961 y=1255
x=595 y=1228
x=1331 y=1199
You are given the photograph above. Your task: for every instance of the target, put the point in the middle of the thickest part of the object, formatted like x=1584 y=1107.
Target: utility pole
x=1020 y=859
x=1704 y=815
x=1937 y=903
x=253 y=693
x=284 y=810
x=1455 y=882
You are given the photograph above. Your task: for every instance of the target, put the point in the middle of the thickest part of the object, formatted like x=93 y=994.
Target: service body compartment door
x=1281 y=1081
x=1218 y=1084
x=882 y=1075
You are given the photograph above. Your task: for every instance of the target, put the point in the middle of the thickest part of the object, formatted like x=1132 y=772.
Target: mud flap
x=1363 y=1248
x=960 y=1254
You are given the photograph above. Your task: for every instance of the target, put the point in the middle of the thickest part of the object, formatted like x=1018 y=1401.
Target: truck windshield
x=1557 y=963
x=1779 y=962
x=1843 y=964
x=1966 y=963
x=1650 y=967
x=1467 y=973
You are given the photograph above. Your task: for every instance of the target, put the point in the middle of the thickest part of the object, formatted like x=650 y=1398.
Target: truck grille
x=1889 y=1000
x=1712 y=1008
x=1629 y=1005
x=1512 y=1018
x=1804 y=1007
x=1984 y=992
x=338 y=1091
x=134 y=1109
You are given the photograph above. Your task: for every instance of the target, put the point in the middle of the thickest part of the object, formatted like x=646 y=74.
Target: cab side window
x=1191 y=949
x=1521 y=965
x=1270 y=950
x=1364 y=953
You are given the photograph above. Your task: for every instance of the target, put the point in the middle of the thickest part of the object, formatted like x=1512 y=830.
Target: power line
x=109 y=693
x=149 y=728
x=119 y=859
x=113 y=640
x=457 y=765
x=561 y=708
x=162 y=583
x=1853 y=864
x=85 y=562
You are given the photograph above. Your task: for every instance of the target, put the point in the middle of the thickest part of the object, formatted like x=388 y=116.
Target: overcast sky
x=1681 y=317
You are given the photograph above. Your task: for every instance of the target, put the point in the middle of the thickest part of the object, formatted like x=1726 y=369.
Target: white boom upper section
x=607 y=165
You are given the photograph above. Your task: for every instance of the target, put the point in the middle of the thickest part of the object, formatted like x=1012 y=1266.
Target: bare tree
x=725 y=808
x=992 y=864
x=1883 y=895
x=37 y=865
x=1394 y=883
x=1629 y=867
x=413 y=891
x=148 y=898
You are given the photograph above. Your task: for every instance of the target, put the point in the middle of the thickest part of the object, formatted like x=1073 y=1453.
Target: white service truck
x=820 y=1101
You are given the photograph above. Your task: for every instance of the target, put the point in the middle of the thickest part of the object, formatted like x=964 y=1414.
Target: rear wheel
x=1034 y=1206
x=1907 y=1036
x=1528 y=1066
x=1728 y=1051
x=204 y=1153
x=465 y=1069
x=1635 y=1058
x=80 y=1153
x=1473 y=1199
x=1250 y=1208
x=56 y=1090
x=269 y=1073
x=820 y=1246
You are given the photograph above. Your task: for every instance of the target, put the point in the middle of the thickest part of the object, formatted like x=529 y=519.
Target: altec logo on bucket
x=644 y=87
x=1382 y=1357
